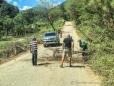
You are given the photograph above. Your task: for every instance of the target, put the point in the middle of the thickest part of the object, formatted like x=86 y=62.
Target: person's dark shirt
x=68 y=42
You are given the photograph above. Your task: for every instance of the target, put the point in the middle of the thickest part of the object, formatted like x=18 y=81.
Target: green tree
x=28 y=16
x=64 y=14
x=8 y=9
x=7 y=13
x=48 y=11
x=8 y=24
x=18 y=25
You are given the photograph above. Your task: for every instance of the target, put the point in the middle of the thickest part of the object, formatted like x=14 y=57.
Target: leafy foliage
x=8 y=9
x=95 y=20
x=15 y=23
x=47 y=11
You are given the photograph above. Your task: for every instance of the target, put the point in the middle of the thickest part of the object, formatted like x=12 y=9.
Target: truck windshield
x=50 y=34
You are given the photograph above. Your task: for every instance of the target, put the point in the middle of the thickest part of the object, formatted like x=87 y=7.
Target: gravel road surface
x=20 y=72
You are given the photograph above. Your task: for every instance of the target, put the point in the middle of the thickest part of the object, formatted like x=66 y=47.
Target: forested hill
x=16 y=23
x=7 y=9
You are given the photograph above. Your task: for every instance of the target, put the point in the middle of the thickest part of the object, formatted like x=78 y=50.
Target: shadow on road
x=53 y=45
x=76 y=66
x=44 y=64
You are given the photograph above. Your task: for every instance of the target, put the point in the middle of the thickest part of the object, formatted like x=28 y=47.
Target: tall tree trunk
x=51 y=23
x=52 y=26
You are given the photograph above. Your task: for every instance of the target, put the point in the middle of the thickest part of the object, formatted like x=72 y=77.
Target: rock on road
x=20 y=72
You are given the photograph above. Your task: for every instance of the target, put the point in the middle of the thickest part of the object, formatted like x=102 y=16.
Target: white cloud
x=15 y=3
x=25 y=8
x=55 y=4
x=8 y=1
x=59 y=2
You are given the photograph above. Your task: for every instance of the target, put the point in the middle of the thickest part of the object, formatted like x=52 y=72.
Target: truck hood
x=49 y=37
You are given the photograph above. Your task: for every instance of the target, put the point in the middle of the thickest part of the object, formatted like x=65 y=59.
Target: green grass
x=102 y=60
x=80 y=34
x=6 y=43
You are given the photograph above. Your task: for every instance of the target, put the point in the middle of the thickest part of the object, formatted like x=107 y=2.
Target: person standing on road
x=68 y=46
x=83 y=45
x=33 y=50
x=60 y=34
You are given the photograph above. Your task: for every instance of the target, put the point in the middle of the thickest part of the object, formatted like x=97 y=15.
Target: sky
x=27 y=4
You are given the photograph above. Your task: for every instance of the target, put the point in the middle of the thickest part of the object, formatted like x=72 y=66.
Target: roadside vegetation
x=18 y=28
x=94 y=20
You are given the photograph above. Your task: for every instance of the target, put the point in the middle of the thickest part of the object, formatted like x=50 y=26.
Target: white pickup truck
x=51 y=38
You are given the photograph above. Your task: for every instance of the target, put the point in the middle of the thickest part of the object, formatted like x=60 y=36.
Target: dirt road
x=20 y=72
